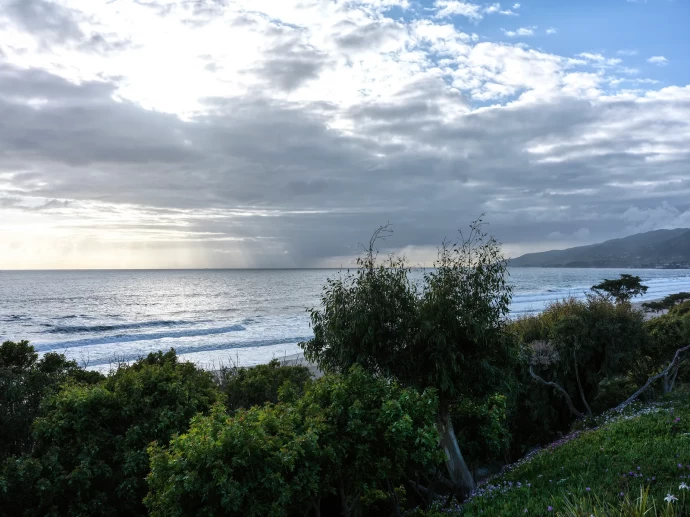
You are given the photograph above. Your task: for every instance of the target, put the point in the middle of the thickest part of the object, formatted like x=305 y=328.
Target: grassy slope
x=647 y=446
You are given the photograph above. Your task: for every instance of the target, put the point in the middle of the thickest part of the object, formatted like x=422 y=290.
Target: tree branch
x=653 y=378
x=563 y=392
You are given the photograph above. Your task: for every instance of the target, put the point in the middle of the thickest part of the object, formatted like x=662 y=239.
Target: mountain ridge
x=664 y=249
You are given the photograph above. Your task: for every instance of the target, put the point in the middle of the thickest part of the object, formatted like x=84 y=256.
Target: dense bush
x=25 y=381
x=247 y=387
x=350 y=436
x=578 y=344
x=89 y=456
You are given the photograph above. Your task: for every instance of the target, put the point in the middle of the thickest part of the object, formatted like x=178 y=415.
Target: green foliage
x=483 y=427
x=446 y=334
x=654 y=306
x=593 y=338
x=89 y=456
x=260 y=462
x=613 y=390
x=668 y=302
x=25 y=380
x=643 y=505
x=349 y=435
x=646 y=447
x=246 y=387
x=682 y=309
x=372 y=432
x=622 y=289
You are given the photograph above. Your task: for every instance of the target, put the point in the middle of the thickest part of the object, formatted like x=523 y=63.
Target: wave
x=128 y=338
x=189 y=349
x=77 y=329
x=15 y=317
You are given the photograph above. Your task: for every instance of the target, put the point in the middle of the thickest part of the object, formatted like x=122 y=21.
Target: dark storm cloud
x=290 y=63
x=315 y=192
x=350 y=36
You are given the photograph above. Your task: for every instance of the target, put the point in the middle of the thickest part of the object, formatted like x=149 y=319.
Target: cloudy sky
x=281 y=133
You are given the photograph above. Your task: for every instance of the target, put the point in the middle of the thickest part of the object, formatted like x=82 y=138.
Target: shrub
x=246 y=387
x=25 y=381
x=90 y=447
x=352 y=436
x=573 y=340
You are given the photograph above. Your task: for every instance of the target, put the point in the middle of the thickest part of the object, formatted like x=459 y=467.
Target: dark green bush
x=25 y=381
x=350 y=436
x=247 y=387
x=89 y=456
x=593 y=338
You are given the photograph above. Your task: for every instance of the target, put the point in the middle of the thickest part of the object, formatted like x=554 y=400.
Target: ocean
x=219 y=317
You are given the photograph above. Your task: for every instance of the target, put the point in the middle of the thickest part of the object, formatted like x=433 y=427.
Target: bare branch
x=649 y=382
x=563 y=392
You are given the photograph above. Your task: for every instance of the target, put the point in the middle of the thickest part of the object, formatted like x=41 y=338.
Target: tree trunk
x=579 y=385
x=457 y=468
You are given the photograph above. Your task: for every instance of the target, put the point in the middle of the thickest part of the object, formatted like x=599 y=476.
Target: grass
x=633 y=459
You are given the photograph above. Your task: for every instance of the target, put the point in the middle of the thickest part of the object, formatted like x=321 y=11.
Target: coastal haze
x=220 y=317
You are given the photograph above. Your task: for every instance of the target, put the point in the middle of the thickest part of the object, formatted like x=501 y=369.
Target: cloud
x=627 y=52
x=286 y=140
x=522 y=31
x=551 y=30
x=600 y=59
x=475 y=12
x=52 y=22
x=658 y=60
x=448 y=8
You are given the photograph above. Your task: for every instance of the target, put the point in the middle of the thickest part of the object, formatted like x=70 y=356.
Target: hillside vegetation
x=659 y=248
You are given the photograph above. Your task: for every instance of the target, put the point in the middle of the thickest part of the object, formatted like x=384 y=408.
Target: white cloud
x=516 y=6
x=551 y=30
x=447 y=8
x=599 y=58
x=522 y=31
x=627 y=52
x=658 y=60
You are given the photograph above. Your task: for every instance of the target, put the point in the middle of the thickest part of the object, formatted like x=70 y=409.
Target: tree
x=89 y=455
x=349 y=435
x=673 y=299
x=621 y=289
x=655 y=307
x=447 y=334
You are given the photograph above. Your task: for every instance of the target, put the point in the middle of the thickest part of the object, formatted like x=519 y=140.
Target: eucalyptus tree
x=445 y=332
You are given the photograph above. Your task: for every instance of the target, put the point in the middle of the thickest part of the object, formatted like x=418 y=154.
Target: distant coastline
x=659 y=249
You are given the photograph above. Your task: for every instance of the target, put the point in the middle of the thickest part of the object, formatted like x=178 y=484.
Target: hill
x=655 y=249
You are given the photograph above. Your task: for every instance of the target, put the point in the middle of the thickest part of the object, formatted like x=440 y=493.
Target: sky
x=282 y=133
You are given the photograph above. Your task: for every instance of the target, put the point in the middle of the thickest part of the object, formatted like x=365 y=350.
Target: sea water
x=216 y=317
